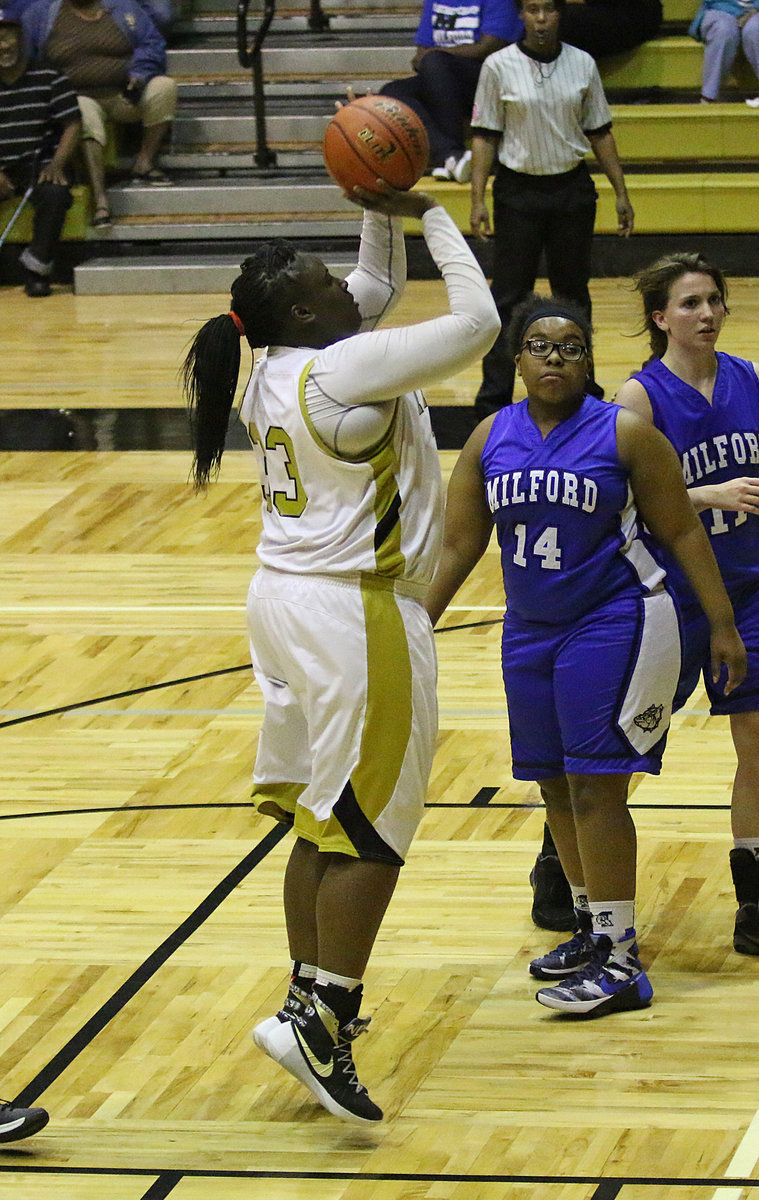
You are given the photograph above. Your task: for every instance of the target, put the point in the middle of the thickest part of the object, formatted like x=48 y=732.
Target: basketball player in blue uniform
x=591 y=650
x=707 y=404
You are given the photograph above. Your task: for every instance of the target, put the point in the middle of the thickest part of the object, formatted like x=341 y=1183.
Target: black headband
x=551 y=308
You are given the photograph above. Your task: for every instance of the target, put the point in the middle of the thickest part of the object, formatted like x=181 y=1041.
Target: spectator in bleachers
x=601 y=27
x=452 y=41
x=39 y=131
x=115 y=58
x=724 y=26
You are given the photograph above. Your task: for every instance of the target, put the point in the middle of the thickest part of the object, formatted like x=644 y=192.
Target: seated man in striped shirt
x=39 y=131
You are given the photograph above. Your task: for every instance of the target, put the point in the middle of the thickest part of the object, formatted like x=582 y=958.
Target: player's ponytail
x=209 y=376
x=261 y=295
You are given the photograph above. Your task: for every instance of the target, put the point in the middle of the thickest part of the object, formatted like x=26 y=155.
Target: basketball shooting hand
x=391 y=202
x=728 y=649
x=350 y=97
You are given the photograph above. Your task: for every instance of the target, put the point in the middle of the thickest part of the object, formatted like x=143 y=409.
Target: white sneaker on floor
x=446 y=171
x=455 y=170
x=462 y=170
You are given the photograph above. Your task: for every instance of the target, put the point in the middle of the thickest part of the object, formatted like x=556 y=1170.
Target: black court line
x=481 y=800
x=91 y=1028
x=608 y=1190
x=138 y=691
x=470 y=625
x=153 y=687
x=163 y=1186
x=605 y=1186
x=128 y=808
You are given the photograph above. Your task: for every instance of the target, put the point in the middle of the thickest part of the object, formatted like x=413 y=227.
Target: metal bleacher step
x=214 y=24
x=318 y=58
x=134 y=275
x=264 y=198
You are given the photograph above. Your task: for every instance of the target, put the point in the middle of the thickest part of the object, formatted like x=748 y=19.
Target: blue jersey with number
x=715 y=442
x=566 y=521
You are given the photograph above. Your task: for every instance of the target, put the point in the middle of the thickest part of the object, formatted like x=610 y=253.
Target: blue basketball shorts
x=593 y=696
x=694 y=629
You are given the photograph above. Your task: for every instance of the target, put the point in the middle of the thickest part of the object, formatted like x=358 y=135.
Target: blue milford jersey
x=715 y=442
x=564 y=513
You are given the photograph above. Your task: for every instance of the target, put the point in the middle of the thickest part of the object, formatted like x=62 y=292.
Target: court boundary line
x=152 y=687
x=95 y=1024
x=429 y=807
x=605 y=1182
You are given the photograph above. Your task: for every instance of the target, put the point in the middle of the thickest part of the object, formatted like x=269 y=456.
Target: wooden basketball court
x=141 y=931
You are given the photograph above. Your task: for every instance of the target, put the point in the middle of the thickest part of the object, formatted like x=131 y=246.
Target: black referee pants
x=528 y=220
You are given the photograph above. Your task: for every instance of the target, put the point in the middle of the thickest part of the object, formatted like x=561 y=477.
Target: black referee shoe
x=17 y=1123
x=552 y=905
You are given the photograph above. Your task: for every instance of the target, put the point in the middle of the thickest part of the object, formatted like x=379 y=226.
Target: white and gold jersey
x=329 y=507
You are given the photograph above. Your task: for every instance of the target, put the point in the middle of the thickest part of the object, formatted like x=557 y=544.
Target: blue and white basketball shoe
x=604 y=985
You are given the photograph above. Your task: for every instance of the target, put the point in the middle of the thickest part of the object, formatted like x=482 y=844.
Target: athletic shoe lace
x=344 y=1053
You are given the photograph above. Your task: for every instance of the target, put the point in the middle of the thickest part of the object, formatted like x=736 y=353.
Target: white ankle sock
x=579 y=897
x=615 y=918
x=343 y=981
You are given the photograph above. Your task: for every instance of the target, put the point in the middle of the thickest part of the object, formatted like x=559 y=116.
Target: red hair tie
x=238 y=323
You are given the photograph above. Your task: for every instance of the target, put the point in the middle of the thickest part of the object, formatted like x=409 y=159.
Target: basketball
x=375 y=137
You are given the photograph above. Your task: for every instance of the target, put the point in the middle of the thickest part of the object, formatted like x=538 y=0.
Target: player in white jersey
x=341 y=644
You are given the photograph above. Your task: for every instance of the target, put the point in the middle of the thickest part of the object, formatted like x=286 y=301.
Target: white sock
x=579 y=897
x=615 y=918
x=751 y=844
x=343 y=981
x=303 y=971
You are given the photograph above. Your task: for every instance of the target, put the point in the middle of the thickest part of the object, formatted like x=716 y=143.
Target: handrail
x=250 y=56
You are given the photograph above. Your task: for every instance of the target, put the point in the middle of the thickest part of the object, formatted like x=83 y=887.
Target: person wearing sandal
x=35 y=151
x=115 y=58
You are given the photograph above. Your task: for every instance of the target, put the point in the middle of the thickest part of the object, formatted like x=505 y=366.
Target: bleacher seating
x=689 y=167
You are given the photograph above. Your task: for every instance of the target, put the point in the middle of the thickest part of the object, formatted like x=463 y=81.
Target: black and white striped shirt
x=33 y=113
x=544 y=110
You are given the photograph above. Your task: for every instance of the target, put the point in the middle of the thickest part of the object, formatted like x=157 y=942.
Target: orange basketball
x=375 y=137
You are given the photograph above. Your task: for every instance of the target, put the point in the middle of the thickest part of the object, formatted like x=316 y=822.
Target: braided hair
x=261 y=296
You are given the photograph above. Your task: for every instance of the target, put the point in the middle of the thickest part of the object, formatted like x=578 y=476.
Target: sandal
x=101 y=218
x=152 y=178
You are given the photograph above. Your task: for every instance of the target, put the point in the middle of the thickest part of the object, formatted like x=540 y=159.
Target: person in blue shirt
x=452 y=41
x=591 y=649
x=707 y=404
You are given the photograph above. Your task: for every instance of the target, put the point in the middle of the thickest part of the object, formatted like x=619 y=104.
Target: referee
x=539 y=105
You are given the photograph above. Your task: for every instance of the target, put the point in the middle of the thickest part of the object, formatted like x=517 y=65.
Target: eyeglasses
x=568 y=351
